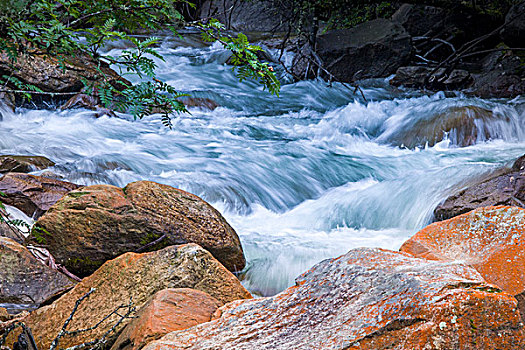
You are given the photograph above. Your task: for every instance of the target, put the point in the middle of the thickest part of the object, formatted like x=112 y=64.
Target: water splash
x=301 y=178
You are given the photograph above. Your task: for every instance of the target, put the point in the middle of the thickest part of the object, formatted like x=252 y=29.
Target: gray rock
x=503 y=189
x=414 y=76
x=373 y=49
x=501 y=76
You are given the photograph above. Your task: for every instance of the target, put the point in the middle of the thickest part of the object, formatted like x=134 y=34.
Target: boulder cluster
x=157 y=267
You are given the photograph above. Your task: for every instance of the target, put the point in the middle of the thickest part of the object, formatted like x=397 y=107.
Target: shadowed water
x=302 y=177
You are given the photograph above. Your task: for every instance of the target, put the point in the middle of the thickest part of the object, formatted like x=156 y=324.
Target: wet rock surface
x=462 y=126
x=490 y=239
x=23 y=164
x=24 y=279
x=33 y=195
x=94 y=224
x=169 y=310
x=367 y=299
x=137 y=277
x=504 y=189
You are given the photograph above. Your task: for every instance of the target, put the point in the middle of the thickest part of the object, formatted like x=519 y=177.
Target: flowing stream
x=302 y=177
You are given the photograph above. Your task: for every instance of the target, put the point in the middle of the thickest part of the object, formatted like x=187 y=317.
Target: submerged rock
x=135 y=277
x=490 y=239
x=347 y=53
x=169 y=310
x=96 y=223
x=463 y=126
x=204 y=103
x=367 y=299
x=503 y=189
x=23 y=164
x=33 y=195
x=24 y=279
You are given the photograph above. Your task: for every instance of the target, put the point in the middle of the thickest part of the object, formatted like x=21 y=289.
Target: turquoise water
x=301 y=178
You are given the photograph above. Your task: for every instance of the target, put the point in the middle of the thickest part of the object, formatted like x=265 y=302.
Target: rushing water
x=301 y=178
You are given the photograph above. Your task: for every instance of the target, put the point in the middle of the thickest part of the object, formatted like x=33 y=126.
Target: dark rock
x=135 y=277
x=245 y=16
x=415 y=76
x=367 y=299
x=418 y=20
x=33 y=195
x=11 y=232
x=24 y=279
x=373 y=49
x=4 y=316
x=501 y=76
x=506 y=189
x=94 y=224
x=514 y=32
x=23 y=164
x=519 y=164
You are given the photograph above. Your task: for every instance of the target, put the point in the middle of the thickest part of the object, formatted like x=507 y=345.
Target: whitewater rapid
x=301 y=178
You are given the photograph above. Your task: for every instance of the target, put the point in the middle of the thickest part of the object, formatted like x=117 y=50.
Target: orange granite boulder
x=367 y=299
x=94 y=224
x=490 y=239
x=135 y=277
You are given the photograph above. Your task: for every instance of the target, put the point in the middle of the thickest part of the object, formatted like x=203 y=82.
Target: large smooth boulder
x=24 y=279
x=23 y=164
x=490 y=239
x=462 y=126
x=135 y=277
x=503 y=189
x=93 y=224
x=33 y=195
x=169 y=310
x=367 y=299
x=347 y=53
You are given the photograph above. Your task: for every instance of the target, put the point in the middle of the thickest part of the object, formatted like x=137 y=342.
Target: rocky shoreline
x=456 y=284
x=149 y=266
